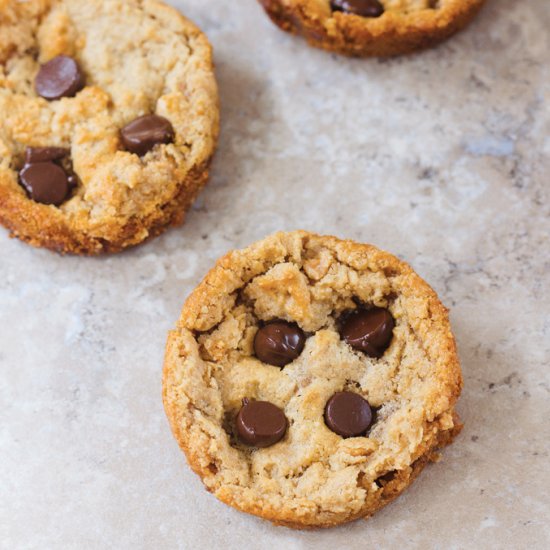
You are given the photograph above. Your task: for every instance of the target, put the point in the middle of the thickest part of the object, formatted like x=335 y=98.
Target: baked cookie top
x=309 y=379
x=372 y=27
x=127 y=59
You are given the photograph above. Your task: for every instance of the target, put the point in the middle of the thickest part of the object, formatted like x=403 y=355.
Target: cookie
x=309 y=379
x=372 y=27
x=109 y=114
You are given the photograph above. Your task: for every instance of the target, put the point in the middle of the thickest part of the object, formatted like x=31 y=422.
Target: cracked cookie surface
x=398 y=27
x=311 y=477
x=138 y=57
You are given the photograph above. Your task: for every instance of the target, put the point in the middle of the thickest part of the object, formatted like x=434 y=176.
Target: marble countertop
x=441 y=158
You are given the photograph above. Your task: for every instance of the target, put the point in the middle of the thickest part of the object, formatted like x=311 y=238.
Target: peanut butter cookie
x=309 y=379
x=372 y=27
x=109 y=115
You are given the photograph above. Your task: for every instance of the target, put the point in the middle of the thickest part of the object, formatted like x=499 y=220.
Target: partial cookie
x=372 y=27
x=309 y=379
x=109 y=113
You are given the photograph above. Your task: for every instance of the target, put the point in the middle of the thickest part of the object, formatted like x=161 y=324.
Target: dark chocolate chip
x=364 y=8
x=279 y=343
x=143 y=133
x=348 y=414
x=73 y=181
x=260 y=423
x=59 y=77
x=368 y=330
x=45 y=182
x=44 y=154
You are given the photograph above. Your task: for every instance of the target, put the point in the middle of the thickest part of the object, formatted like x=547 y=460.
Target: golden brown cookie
x=309 y=379
x=372 y=27
x=124 y=92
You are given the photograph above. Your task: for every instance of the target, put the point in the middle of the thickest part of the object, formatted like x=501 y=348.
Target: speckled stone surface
x=441 y=158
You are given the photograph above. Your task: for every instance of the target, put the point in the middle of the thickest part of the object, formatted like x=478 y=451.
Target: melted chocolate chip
x=44 y=154
x=59 y=77
x=348 y=414
x=368 y=330
x=279 y=343
x=364 y=8
x=260 y=423
x=143 y=133
x=45 y=182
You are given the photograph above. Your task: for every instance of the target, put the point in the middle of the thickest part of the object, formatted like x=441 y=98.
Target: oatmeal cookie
x=310 y=379
x=372 y=27
x=109 y=118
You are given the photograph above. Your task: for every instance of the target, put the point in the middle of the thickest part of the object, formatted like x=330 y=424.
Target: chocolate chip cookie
x=109 y=115
x=372 y=27
x=309 y=379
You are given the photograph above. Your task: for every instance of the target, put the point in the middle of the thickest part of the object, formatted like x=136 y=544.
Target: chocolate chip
x=45 y=182
x=44 y=154
x=348 y=414
x=143 y=133
x=364 y=8
x=73 y=181
x=279 y=343
x=260 y=423
x=368 y=330
x=59 y=77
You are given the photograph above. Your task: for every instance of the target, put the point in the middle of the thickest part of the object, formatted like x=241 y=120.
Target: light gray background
x=441 y=158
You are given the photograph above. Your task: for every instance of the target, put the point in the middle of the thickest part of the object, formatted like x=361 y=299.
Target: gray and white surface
x=441 y=158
